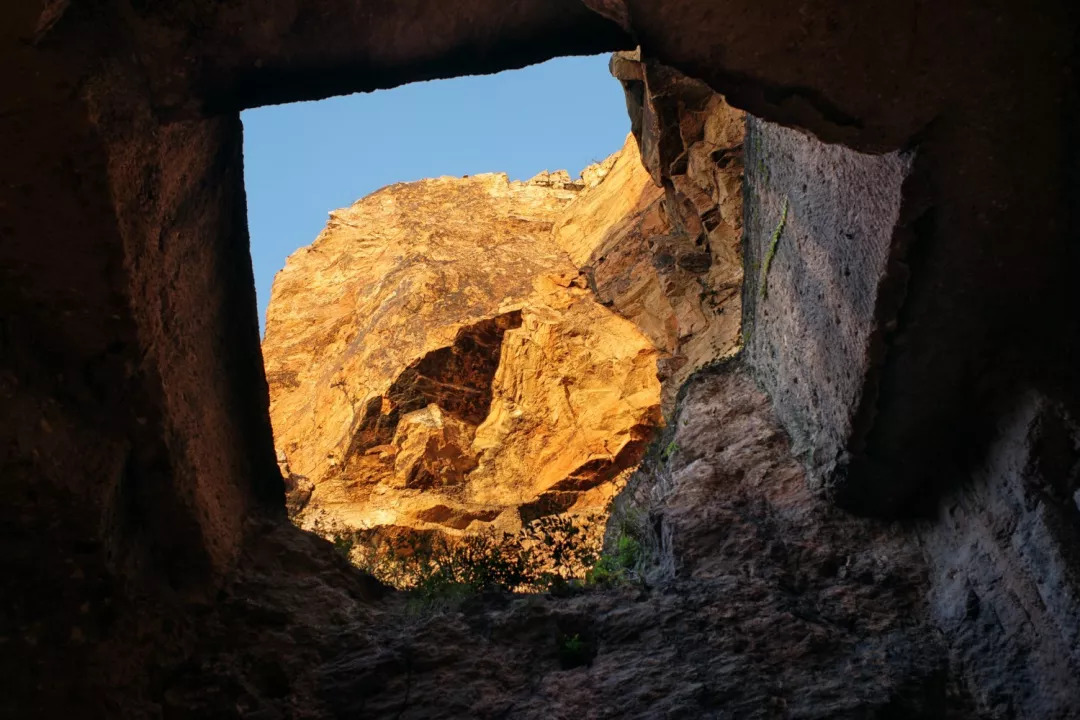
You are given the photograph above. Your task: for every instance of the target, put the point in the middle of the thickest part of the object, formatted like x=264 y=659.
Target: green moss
x=771 y=253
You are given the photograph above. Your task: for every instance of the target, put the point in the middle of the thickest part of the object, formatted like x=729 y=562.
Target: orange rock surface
x=437 y=361
x=456 y=353
x=660 y=243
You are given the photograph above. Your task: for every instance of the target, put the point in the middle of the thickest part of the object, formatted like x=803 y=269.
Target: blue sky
x=305 y=159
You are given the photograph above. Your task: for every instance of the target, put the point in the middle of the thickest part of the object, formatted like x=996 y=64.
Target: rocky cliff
x=455 y=353
x=659 y=240
x=148 y=570
x=459 y=353
x=436 y=361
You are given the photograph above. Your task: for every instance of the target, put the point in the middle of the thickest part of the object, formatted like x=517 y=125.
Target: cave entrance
x=478 y=347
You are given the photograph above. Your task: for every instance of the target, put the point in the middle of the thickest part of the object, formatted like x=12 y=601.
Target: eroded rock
x=670 y=265
x=437 y=361
x=780 y=605
x=137 y=440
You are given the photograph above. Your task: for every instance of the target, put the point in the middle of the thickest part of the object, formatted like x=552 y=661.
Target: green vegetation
x=557 y=554
x=617 y=566
x=574 y=651
x=758 y=152
x=771 y=253
x=549 y=554
x=343 y=544
x=553 y=554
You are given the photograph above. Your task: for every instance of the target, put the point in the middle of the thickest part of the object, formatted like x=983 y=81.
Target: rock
x=435 y=356
x=820 y=364
x=139 y=476
x=431 y=448
x=778 y=604
x=1004 y=575
x=543 y=397
x=298 y=491
x=670 y=264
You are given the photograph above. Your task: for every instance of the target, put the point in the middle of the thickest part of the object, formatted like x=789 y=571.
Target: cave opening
x=479 y=347
x=894 y=303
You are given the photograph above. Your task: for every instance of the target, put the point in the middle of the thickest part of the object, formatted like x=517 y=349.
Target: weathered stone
x=678 y=288
x=435 y=349
x=824 y=234
x=431 y=448
x=136 y=443
x=779 y=604
x=1005 y=570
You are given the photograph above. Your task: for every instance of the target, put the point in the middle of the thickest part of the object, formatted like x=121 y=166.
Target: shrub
x=343 y=544
x=432 y=564
x=565 y=551
x=574 y=651
x=620 y=564
x=637 y=542
x=559 y=554
x=551 y=553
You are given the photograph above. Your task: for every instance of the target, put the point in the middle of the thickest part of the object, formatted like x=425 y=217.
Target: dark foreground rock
x=135 y=444
x=780 y=606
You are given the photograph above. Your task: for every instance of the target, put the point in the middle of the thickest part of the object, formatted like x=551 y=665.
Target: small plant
x=552 y=553
x=615 y=567
x=435 y=566
x=574 y=651
x=342 y=539
x=670 y=449
x=771 y=253
x=343 y=544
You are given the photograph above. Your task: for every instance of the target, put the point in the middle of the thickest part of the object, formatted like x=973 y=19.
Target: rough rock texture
x=1004 y=554
x=135 y=441
x=136 y=446
x=436 y=362
x=781 y=606
x=831 y=239
x=670 y=264
x=825 y=228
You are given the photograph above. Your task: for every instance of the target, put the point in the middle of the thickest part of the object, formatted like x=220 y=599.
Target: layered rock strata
x=436 y=361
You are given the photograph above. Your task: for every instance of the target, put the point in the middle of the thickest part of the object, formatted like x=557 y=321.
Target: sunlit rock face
x=437 y=361
x=659 y=238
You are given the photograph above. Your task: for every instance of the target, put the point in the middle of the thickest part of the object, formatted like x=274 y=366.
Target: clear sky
x=305 y=159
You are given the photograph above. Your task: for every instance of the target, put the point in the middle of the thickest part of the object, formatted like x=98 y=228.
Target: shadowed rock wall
x=136 y=442
x=129 y=361
x=832 y=239
x=823 y=251
x=1004 y=558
